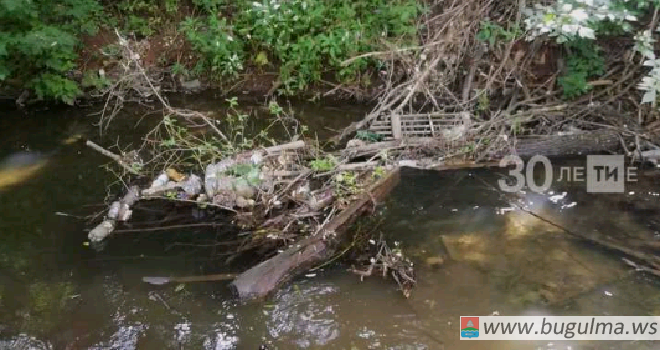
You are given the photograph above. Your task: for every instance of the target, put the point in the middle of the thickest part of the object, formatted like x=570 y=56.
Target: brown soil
x=257 y=83
x=162 y=50
x=90 y=57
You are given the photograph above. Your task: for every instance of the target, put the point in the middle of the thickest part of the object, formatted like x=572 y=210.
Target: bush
x=582 y=62
x=38 y=44
x=304 y=37
x=571 y=22
x=219 y=52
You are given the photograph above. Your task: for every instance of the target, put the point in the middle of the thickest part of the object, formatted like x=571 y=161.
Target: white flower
x=567 y=7
x=570 y=28
x=580 y=15
x=586 y=32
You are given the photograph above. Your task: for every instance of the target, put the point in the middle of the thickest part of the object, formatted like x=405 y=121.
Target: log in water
x=264 y=278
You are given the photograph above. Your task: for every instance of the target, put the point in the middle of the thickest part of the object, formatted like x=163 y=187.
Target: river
x=58 y=293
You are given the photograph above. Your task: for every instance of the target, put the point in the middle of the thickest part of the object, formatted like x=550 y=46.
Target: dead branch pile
x=502 y=90
x=390 y=261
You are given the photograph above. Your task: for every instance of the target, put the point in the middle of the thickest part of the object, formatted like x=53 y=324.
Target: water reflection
x=25 y=342
x=305 y=317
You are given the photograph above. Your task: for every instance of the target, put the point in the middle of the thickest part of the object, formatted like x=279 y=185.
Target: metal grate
x=415 y=125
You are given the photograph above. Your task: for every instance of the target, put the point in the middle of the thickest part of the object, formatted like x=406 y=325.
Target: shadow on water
x=56 y=293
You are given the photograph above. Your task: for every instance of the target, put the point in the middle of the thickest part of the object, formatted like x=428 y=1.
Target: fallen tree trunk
x=587 y=142
x=563 y=145
x=187 y=279
x=264 y=278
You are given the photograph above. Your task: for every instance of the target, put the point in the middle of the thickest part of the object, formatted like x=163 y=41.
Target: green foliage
x=209 y=5
x=186 y=148
x=217 y=49
x=378 y=173
x=247 y=172
x=345 y=184
x=573 y=21
x=144 y=17
x=492 y=32
x=366 y=135
x=326 y=163
x=583 y=61
x=92 y=79
x=305 y=38
x=483 y=102
x=38 y=44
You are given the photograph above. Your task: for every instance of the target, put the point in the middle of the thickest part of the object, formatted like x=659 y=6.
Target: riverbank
x=288 y=48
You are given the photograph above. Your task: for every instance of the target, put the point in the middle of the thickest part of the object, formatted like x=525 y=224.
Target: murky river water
x=56 y=293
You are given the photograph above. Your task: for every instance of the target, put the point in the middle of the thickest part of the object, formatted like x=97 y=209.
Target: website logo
x=604 y=174
x=469 y=327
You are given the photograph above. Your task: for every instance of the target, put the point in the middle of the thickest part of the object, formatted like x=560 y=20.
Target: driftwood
x=262 y=279
x=187 y=279
x=563 y=145
x=587 y=142
x=393 y=262
x=113 y=156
